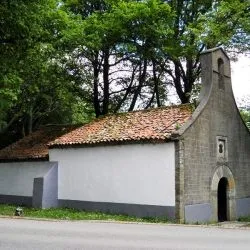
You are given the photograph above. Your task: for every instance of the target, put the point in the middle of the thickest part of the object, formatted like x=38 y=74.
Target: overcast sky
x=240 y=72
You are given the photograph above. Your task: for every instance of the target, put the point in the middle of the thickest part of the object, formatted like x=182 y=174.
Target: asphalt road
x=31 y=234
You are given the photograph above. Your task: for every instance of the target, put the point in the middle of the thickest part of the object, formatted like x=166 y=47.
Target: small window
x=221 y=74
x=221 y=148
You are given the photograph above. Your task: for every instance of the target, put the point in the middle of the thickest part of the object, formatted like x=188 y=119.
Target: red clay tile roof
x=35 y=145
x=152 y=124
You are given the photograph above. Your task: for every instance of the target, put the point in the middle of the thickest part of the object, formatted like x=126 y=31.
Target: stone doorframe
x=220 y=172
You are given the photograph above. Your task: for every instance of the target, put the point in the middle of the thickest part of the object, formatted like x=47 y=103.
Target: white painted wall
x=137 y=174
x=16 y=178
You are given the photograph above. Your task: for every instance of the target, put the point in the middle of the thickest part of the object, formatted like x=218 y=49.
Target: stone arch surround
x=220 y=172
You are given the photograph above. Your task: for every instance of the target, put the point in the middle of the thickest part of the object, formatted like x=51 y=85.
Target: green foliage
x=245 y=219
x=35 y=87
x=233 y=33
x=245 y=114
x=244 y=107
x=117 y=36
x=65 y=61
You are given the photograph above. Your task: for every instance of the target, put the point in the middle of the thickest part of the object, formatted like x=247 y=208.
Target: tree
x=35 y=86
x=152 y=45
x=117 y=41
x=201 y=25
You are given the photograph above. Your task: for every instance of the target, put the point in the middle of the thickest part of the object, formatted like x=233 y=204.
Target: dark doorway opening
x=222 y=200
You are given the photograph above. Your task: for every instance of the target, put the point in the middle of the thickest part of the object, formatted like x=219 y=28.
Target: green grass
x=73 y=214
x=244 y=219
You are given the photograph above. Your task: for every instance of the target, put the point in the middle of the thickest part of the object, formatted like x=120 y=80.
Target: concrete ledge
x=121 y=208
x=16 y=200
x=198 y=213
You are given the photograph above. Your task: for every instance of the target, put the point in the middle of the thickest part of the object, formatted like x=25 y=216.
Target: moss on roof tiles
x=158 y=123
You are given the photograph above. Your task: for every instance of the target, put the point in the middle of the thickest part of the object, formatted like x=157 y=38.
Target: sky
x=240 y=74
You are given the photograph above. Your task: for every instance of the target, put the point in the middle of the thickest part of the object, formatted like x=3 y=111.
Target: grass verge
x=73 y=214
x=244 y=219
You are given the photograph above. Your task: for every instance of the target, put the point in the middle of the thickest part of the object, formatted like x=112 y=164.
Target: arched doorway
x=223 y=194
x=222 y=199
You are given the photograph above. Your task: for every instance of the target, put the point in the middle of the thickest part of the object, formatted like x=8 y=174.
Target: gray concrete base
x=16 y=200
x=120 y=208
x=242 y=207
x=198 y=213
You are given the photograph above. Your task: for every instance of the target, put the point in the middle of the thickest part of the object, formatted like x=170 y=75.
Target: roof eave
x=114 y=143
x=24 y=159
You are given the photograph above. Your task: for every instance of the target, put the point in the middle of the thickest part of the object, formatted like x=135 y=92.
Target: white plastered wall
x=134 y=174
x=16 y=178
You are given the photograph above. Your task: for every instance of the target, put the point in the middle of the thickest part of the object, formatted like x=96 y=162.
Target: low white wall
x=16 y=178
x=135 y=174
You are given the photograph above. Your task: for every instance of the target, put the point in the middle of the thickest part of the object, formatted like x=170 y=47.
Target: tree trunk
x=178 y=85
x=95 y=87
x=141 y=81
x=30 y=121
x=156 y=85
x=188 y=83
x=128 y=90
x=105 y=109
